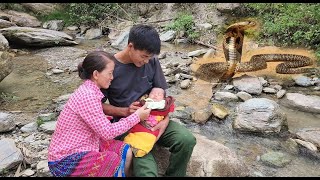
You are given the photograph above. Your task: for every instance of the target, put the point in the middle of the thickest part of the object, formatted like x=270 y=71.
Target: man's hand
x=133 y=107
x=162 y=125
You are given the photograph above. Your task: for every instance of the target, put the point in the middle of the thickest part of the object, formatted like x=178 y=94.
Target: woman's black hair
x=95 y=60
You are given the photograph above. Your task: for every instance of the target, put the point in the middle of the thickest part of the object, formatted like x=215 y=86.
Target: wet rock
x=197 y=52
x=121 y=42
x=186 y=76
x=10 y=155
x=201 y=115
x=249 y=84
x=259 y=115
x=307 y=103
x=48 y=127
x=4 y=44
x=93 y=33
x=209 y=54
x=6 y=65
x=229 y=87
x=225 y=96
x=244 y=96
x=227 y=7
x=30 y=127
x=43 y=169
x=27 y=173
x=291 y=146
x=281 y=93
x=56 y=25
x=64 y=58
x=42 y=8
x=219 y=161
x=72 y=28
x=269 y=90
x=47 y=117
x=185 y=84
x=303 y=81
x=182 y=113
x=307 y=145
x=310 y=134
x=275 y=159
x=6 y=24
x=204 y=26
x=23 y=19
x=57 y=71
x=6 y=122
x=28 y=36
x=219 y=111
x=167 y=36
x=62 y=98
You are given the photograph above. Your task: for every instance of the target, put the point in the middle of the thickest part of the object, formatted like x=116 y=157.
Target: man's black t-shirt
x=130 y=82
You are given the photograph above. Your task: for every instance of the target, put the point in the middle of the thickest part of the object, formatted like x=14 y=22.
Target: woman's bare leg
x=127 y=168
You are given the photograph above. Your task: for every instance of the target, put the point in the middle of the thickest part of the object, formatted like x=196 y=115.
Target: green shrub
x=58 y=14
x=90 y=14
x=287 y=24
x=7 y=97
x=12 y=6
x=184 y=22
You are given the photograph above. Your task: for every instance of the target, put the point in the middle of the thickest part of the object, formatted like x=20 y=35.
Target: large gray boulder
x=23 y=19
x=209 y=159
x=259 y=115
x=10 y=155
x=6 y=65
x=37 y=37
x=43 y=8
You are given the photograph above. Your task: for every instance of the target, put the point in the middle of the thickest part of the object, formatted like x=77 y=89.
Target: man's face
x=139 y=57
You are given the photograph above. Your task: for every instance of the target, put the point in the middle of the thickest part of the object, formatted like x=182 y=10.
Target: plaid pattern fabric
x=106 y=163
x=82 y=123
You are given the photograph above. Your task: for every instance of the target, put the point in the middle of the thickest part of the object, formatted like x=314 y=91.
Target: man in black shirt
x=137 y=71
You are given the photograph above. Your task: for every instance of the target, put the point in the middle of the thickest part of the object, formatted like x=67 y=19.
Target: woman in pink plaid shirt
x=83 y=142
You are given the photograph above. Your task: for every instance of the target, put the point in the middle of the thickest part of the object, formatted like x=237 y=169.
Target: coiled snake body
x=232 y=48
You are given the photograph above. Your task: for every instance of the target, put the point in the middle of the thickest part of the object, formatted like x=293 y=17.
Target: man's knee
x=187 y=139
x=145 y=166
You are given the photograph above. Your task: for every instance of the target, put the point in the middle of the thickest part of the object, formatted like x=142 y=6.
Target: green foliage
x=184 y=22
x=39 y=121
x=58 y=14
x=288 y=24
x=11 y=6
x=8 y=97
x=89 y=13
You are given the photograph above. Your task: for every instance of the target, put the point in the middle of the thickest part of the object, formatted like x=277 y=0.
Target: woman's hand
x=133 y=107
x=143 y=112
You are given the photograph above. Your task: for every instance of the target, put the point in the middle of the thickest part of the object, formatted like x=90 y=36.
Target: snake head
x=242 y=25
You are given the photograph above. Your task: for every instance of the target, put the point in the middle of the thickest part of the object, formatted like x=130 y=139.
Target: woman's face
x=104 y=78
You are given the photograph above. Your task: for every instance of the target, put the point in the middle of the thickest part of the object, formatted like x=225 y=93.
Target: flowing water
x=29 y=89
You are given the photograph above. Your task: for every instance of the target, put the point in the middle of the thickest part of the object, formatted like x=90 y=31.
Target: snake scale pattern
x=232 y=48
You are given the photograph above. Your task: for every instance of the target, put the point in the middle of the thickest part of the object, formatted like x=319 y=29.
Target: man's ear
x=130 y=45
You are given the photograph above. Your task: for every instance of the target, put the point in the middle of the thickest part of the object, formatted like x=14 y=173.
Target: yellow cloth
x=141 y=142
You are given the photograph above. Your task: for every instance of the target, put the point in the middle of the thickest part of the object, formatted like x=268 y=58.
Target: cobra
x=232 y=48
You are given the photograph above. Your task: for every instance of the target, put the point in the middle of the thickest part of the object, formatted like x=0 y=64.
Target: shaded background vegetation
x=287 y=24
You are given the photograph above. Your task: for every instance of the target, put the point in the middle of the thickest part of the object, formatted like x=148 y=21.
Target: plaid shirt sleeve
x=91 y=111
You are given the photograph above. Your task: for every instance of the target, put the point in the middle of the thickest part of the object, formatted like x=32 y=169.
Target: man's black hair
x=145 y=37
